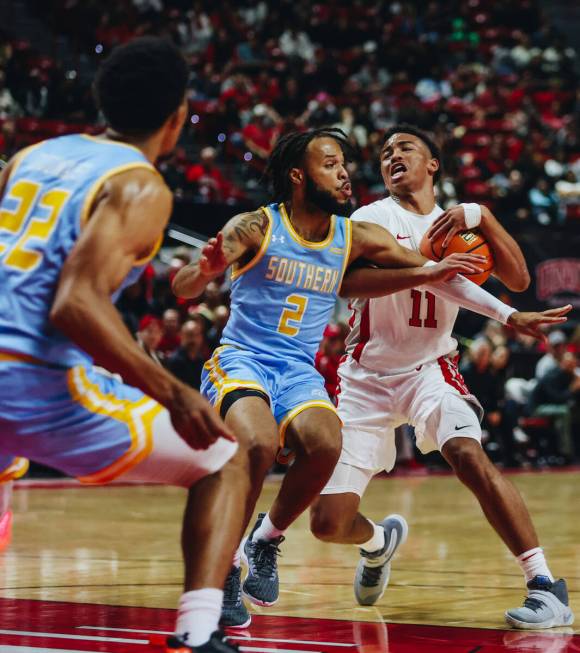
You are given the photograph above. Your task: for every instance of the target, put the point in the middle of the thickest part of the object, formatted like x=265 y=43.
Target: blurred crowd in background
x=494 y=81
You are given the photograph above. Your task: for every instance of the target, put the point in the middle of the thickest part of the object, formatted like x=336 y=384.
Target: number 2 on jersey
x=415 y=320
x=20 y=255
x=293 y=312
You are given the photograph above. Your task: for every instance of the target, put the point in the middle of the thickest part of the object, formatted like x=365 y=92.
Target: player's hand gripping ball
x=464 y=242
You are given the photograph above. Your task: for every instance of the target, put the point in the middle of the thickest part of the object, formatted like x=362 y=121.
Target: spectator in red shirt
x=261 y=132
x=208 y=179
x=170 y=339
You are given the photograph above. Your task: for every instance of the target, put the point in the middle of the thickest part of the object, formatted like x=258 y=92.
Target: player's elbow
x=68 y=310
x=519 y=282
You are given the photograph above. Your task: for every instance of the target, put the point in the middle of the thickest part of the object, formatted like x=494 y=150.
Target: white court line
x=245 y=637
x=31 y=649
x=86 y=638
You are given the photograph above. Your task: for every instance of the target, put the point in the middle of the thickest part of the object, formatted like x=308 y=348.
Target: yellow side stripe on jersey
x=138 y=416
x=17 y=468
x=347 y=248
x=285 y=423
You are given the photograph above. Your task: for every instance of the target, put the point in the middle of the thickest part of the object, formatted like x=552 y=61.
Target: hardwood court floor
x=118 y=546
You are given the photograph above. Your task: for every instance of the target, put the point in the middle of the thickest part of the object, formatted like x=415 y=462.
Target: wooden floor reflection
x=119 y=546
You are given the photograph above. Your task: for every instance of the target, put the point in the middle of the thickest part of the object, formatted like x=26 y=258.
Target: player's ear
x=433 y=166
x=296 y=176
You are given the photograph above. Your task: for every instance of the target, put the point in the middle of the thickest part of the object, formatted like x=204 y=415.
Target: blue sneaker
x=546 y=606
x=234 y=612
x=261 y=585
x=374 y=569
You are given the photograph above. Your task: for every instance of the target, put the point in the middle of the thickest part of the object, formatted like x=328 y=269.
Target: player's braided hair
x=289 y=152
x=406 y=128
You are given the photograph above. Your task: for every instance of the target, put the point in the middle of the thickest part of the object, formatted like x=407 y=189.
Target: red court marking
x=267 y=633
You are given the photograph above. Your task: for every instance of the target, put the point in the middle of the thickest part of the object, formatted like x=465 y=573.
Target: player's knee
x=325 y=524
x=262 y=451
x=324 y=445
x=468 y=460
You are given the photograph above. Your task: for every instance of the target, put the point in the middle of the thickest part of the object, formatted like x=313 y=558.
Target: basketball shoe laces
x=533 y=603
x=266 y=555
x=371 y=576
x=233 y=588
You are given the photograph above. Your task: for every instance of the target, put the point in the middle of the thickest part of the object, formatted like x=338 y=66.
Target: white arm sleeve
x=467 y=294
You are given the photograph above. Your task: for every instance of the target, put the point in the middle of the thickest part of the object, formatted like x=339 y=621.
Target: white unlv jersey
x=402 y=331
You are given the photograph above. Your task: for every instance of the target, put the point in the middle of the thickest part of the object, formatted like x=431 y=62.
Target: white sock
x=236 y=562
x=377 y=541
x=198 y=615
x=533 y=563
x=267 y=530
x=5 y=496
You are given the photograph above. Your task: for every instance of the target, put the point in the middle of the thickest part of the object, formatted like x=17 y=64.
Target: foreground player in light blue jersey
x=79 y=218
x=288 y=260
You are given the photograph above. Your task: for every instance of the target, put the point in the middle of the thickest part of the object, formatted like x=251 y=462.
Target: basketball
x=465 y=242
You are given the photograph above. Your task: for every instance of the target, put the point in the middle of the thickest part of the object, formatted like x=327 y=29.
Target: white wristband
x=472 y=215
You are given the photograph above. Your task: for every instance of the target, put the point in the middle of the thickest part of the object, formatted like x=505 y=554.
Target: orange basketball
x=465 y=242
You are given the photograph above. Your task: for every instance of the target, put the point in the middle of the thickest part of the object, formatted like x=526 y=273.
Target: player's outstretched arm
x=242 y=235
x=510 y=265
x=405 y=268
x=126 y=222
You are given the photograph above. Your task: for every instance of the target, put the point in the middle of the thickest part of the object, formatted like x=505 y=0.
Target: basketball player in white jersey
x=401 y=368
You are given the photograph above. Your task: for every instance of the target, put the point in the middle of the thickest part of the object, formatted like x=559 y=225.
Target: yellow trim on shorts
x=18 y=468
x=138 y=416
x=311 y=244
x=237 y=272
x=223 y=383
x=285 y=423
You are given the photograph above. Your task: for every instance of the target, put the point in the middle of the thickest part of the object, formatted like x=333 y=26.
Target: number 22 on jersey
x=293 y=312
x=29 y=227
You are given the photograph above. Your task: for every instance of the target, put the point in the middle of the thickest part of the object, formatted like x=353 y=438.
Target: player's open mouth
x=346 y=190
x=397 y=171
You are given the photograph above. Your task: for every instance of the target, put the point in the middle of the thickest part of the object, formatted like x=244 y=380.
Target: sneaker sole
x=567 y=619
x=405 y=532
x=236 y=626
x=252 y=599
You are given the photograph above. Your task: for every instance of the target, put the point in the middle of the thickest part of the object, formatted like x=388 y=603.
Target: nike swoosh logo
x=458 y=428
x=399 y=237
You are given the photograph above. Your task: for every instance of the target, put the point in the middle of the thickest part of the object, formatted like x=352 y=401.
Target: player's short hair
x=289 y=153
x=141 y=84
x=434 y=149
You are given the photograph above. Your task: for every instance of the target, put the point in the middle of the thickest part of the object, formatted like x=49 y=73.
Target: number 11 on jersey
x=415 y=320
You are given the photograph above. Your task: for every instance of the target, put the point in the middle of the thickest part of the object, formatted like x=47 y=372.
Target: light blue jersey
x=285 y=296
x=281 y=302
x=45 y=204
x=54 y=408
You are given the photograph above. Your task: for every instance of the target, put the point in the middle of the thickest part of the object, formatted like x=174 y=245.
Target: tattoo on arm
x=246 y=229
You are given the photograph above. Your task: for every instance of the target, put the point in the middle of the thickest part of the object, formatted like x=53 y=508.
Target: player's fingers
x=438 y=230
x=467 y=258
x=218 y=427
x=452 y=231
x=219 y=239
x=552 y=320
x=436 y=224
x=561 y=310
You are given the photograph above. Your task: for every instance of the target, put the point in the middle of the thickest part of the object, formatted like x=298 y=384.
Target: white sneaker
x=546 y=606
x=373 y=569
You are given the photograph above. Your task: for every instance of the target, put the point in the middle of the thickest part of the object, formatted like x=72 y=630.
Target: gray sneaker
x=234 y=612
x=546 y=606
x=373 y=570
x=261 y=585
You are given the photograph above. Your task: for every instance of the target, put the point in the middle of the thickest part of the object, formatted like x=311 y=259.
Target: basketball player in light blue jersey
x=79 y=218
x=288 y=260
